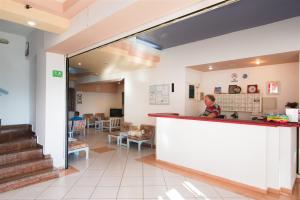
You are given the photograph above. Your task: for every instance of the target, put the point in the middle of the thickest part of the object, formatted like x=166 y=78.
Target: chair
x=112 y=123
x=77 y=126
x=125 y=126
x=89 y=119
x=147 y=137
x=99 y=117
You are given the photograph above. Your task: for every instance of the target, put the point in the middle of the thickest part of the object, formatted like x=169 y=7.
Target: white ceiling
x=10 y=27
x=122 y=56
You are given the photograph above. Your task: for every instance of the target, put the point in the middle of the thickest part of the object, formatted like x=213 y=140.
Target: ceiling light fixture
x=79 y=64
x=257 y=61
x=210 y=67
x=31 y=23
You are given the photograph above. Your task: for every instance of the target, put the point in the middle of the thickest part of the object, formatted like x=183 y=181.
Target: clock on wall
x=252 y=89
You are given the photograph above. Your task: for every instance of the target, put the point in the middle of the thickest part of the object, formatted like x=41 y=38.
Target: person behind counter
x=212 y=110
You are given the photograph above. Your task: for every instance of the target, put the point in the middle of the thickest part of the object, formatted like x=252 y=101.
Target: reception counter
x=257 y=155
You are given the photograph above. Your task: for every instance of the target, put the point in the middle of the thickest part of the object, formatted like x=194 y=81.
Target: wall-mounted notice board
x=159 y=94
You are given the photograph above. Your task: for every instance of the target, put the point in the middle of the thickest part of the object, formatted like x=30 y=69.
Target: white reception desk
x=257 y=155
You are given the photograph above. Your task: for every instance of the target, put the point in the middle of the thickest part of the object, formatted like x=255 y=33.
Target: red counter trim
x=230 y=121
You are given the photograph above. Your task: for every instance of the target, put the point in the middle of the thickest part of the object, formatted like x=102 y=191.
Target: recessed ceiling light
x=257 y=61
x=210 y=67
x=79 y=64
x=31 y=23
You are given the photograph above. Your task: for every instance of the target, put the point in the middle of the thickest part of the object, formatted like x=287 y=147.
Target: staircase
x=21 y=159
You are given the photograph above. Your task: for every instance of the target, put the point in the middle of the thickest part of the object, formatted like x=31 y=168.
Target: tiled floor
x=117 y=175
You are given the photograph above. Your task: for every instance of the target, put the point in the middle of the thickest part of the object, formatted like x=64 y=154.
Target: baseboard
x=234 y=186
x=216 y=178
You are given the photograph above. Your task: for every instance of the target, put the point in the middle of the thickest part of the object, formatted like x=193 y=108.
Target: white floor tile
x=80 y=192
x=110 y=181
x=155 y=191
x=54 y=193
x=87 y=181
x=152 y=181
x=131 y=192
x=105 y=192
x=132 y=181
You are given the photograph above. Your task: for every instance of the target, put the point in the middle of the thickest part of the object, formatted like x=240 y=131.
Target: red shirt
x=212 y=109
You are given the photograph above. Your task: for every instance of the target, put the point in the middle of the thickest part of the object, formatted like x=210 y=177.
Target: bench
x=76 y=146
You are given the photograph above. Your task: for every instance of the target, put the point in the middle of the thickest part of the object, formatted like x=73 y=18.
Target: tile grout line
x=123 y=174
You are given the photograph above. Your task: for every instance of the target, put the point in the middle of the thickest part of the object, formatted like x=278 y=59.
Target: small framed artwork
x=201 y=96
x=234 y=89
x=27 y=49
x=231 y=89
x=252 y=89
x=191 y=91
x=273 y=87
x=218 y=90
x=79 y=98
x=234 y=77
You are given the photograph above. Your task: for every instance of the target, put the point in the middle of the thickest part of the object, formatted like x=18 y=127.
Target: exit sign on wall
x=57 y=73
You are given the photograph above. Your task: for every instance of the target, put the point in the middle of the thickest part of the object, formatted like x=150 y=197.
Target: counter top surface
x=232 y=121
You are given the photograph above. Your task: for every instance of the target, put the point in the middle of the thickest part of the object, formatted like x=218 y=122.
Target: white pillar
x=55 y=108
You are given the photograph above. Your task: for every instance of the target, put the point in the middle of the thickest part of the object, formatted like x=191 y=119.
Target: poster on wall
x=79 y=98
x=159 y=94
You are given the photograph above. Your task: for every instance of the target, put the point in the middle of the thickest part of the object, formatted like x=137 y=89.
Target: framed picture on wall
x=79 y=98
x=218 y=90
x=273 y=87
x=252 y=89
x=191 y=91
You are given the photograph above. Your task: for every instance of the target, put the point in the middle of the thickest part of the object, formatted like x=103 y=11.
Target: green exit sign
x=57 y=73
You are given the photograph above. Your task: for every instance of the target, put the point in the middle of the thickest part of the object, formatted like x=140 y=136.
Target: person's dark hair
x=211 y=97
x=76 y=113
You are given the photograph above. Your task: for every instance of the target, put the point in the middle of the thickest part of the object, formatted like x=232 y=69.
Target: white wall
x=95 y=102
x=172 y=68
x=16 y=76
x=192 y=106
x=287 y=74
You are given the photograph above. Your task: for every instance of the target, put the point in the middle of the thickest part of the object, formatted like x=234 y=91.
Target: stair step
x=10 y=136
x=17 y=144
x=21 y=155
x=18 y=168
x=27 y=179
x=15 y=128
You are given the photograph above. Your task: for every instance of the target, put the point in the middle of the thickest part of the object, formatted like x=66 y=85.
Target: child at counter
x=212 y=110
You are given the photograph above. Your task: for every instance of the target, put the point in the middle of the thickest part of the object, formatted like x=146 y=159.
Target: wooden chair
x=89 y=119
x=99 y=117
x=125 y=126
x=112 y=123
x=147 y=137
x=77 y=126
